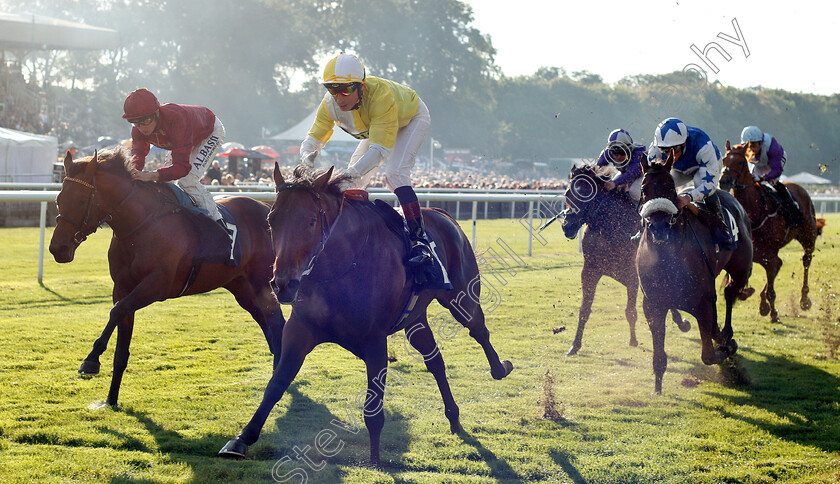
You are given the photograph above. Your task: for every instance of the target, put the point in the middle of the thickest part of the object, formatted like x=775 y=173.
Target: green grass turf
x=199 y=365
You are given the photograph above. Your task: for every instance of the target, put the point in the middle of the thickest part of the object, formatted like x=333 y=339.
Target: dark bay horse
x=770 y=231
x=151 y=257
x=611 y=219
x=678 y=264
x=342 y=269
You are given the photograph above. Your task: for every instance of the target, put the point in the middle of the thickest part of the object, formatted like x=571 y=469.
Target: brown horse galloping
x=343 y=270
x=151 y=257
x=677 y=265
x=611 y=219
x=770 y=231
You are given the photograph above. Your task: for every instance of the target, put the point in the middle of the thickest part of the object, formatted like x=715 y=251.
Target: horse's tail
x=820 y=224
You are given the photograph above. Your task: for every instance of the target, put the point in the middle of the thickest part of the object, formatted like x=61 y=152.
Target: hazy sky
x=792 y=45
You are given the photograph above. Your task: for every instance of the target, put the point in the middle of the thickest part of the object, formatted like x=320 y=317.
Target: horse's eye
x=313 y=221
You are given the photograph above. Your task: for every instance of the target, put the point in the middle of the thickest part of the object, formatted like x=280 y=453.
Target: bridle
x=326 y=228
x=740 y=173
x=85 y=228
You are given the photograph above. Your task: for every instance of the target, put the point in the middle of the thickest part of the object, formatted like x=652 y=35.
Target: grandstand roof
x=37 y=32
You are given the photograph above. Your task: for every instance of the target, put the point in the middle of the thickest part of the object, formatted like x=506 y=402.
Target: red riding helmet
x=139 y=104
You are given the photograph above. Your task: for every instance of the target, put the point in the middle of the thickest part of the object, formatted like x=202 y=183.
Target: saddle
x=779 y=198
x=435 y=276
x=216 y=245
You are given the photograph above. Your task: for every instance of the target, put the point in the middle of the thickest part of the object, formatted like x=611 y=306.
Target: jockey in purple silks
x=766 y=159
x=626 y=157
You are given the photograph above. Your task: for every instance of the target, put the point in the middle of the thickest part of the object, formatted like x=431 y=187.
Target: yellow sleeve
x=322 y=128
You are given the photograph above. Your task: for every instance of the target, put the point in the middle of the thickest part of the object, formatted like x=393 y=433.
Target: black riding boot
x=421 y=252
x=790 y=211
x=721 y=233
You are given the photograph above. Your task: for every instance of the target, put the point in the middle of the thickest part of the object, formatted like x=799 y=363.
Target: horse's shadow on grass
x=299 y=436
x=802 y=397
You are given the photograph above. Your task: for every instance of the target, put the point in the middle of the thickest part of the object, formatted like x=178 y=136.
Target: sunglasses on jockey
x=345 y=89
x=144 y=121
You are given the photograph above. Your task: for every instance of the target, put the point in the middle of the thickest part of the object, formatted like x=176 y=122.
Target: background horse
x=770 y=231
x=343 y=270
x=154 y=243
x=677 y=266
x=611 y=219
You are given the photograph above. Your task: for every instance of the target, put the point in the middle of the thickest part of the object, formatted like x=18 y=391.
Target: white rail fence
x=542 y=205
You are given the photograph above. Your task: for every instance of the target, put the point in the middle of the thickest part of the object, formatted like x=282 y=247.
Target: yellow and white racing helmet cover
x=344 y=68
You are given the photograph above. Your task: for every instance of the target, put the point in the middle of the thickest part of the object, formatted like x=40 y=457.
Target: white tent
x=298 y=132
x=805 y=178
x=26 y=157
x=37 y=32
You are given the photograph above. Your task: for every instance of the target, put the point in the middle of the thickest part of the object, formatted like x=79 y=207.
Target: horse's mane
x=588 y=169
x=303 y=178
x=114 y=160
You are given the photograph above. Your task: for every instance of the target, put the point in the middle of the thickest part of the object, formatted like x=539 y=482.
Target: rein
x=81 y=233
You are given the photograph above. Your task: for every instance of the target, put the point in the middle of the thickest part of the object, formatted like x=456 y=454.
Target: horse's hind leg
x=261 y=304
x=376 y=363
x=467 y=311
x=421 y=338
x=804 y=300
x=589 y=282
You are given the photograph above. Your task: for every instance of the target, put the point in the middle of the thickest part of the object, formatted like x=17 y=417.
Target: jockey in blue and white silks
x=626 y=157
x=697 y=160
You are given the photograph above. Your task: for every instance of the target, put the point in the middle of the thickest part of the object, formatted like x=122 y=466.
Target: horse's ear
x=320 y=182
x=278 y=177
x=91 y=168
x=728 y=145
x=644 y=163
x=68 y=162
x=669 y=163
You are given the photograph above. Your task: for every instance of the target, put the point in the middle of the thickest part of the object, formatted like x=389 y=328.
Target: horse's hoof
x=89 y=368
x=234 y=449
x=634 y=342
x=733 y=347
x=805 y=304
x=573 y=350
x=455 y=427
x=745 y=293
x=508 y=367
x=684 y=325
x=764 y=309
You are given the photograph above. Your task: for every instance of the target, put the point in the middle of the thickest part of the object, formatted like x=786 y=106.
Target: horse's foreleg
x=124 y=332
x=769 y=294
x=376 y=363
x=707 y=324
x=655 y=316
x=421 y=338
x=296 y=345
x=588 y=283
x=630 y=311
x=680 y=321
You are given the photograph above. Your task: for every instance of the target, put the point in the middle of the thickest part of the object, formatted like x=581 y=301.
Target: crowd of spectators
x=219 y=174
